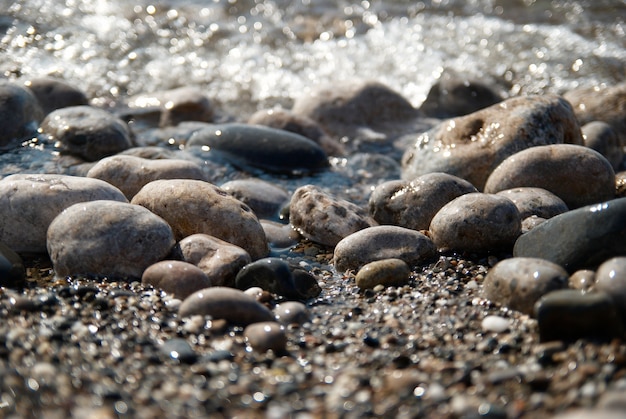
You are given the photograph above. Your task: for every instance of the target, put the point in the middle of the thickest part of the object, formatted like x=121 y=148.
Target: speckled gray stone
x=107 y=238
x=324 y=219
x=576 y=174
x=517 y=283
x=413 y=204
x=229 y=304
x=194 y=206
x=383 y=242
x=476 y=222
x=29 y=203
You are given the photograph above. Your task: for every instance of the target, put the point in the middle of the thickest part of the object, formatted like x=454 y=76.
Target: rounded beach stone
x=292 y=312
x=179 y=278
x=20 y=114
x=580 y=238
x=280 y=236
x=453 y=95
x=286 y=120
x=29 y=203
x=611 y=279
x=413 y=204
x=386 y=272
x=129 y=174
x=601 y=137
x=255 y=146
x=170 y=107
x=476 y=222
x=535 y=201
x=570 y=315
x=576 y=174
x=266 y=336
x=496 y=324
x=517 y=283
x=305 y=283
x=229 y=304
x=12 y=270
x=219 y=260
x=383 y=242
x=107 y=238
x=54 y=94
x=194 y=206
x=582 y=279
x=86 y=132
x=271 y=274
x=531 y=222
x=264 y=198
x=472 y=146
x=324 y=219
x=345 y=107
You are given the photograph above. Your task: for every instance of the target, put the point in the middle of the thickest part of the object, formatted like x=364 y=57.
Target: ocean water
x=253 y=54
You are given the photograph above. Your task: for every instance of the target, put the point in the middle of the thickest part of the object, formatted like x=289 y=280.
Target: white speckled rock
x=266 y=336
x=107 y=238
x=535 y=201
x=130 y=173
x=229 y=304
x=179 y=278
x=413 y=204
x=386 y=272
x=578 y=175
x=194 y=206
x=476 y=222
x=29 y=203
x=472 y=146
x=518 y=283
x=324 y=219
x=219 y=260
x=383 y=242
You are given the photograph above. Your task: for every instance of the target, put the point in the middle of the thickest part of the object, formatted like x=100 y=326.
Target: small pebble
x=292 y=312
x=179 y=278
x=265 y=336
x=179 y=350
x=386 y=272
x=496 y=324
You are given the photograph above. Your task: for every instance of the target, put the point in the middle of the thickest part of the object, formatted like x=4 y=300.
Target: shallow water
x=252 y=54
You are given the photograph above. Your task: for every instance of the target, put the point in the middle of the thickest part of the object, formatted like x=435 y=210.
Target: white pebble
x=495 y=324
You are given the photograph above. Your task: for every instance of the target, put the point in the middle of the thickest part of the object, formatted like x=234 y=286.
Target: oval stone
x=266 y=336
x=413 y=204
x=569 y=315
x=54 y=94
x=582 y=279
x=107 y=238
x=264 y=198
x=229 y=304
x=535 y=201
x=176 y=277
x=255 y=146
x=576 y=174
x=194 y=206
x=386 y=272
x=129 y=174
x=601 y=137
x=86 y=132
x=383 y=242
x=29 y=203
x=518 y=283
x=219 y=260
x=578 y=239
x=271 y=274
x=476 y=222
x=292 y=312
x=20 y=114
x=611 y=279
x=472 y=146
x=323 y=218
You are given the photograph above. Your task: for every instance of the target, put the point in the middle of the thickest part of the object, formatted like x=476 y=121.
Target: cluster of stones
x=517 y=176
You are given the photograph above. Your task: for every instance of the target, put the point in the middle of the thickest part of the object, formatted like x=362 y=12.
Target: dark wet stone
x=570 y=315
x=305 y=283
x=601 y=137
x=454 y=95
x=577 y=239
x=12 y=270
x=86 y=132
x=179 y=350
x=20 y=114
x=269 y=149
x=53 y=94
x=271 y=274
x=264 y=198
x=230 y=304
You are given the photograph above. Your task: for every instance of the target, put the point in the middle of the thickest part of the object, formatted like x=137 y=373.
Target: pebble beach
x=296 y=210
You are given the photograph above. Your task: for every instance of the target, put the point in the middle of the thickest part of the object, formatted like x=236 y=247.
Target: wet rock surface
x=20 y=114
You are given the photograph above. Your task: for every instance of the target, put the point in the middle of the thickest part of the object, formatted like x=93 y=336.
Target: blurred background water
x=252 y=54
